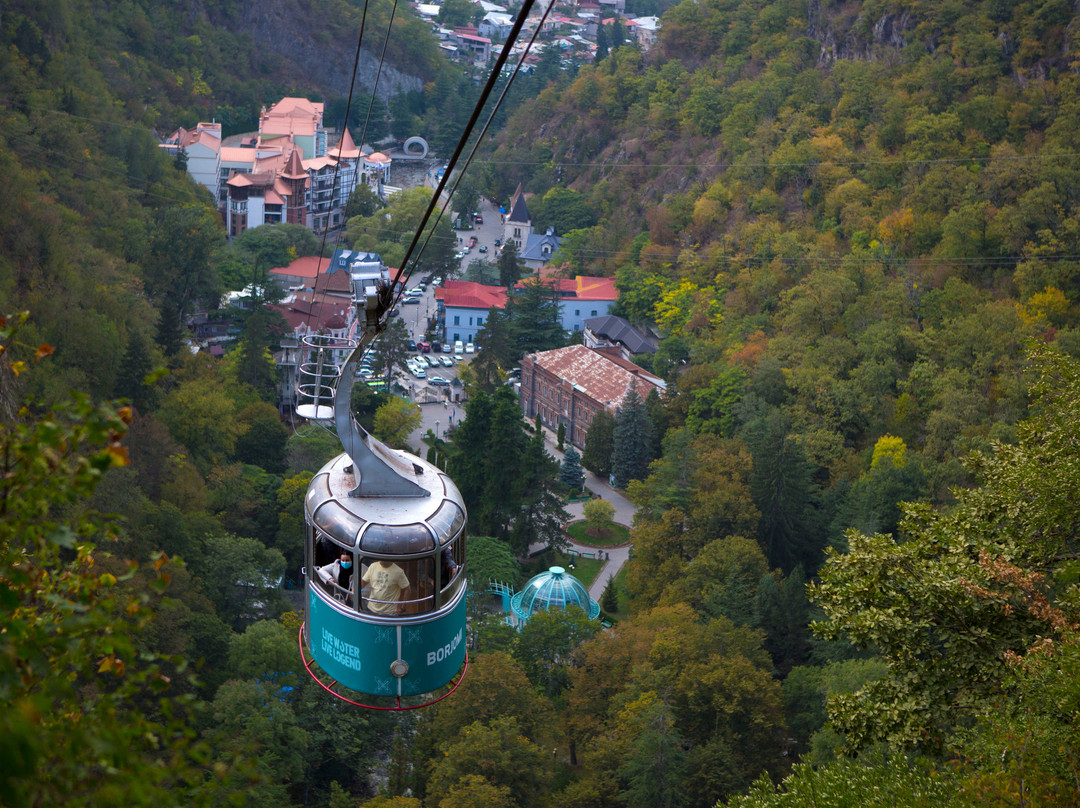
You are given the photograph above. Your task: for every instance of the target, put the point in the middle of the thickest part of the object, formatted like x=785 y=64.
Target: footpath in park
x=614 y=557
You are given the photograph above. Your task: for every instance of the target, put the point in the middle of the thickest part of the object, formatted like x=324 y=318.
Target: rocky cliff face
x=844 y=33
x=324 y=64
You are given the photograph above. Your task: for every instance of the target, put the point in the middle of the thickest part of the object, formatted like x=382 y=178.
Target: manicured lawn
x=618 y=535
x=584 y=569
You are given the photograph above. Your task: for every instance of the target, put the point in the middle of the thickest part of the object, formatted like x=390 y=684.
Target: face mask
x=346 y=565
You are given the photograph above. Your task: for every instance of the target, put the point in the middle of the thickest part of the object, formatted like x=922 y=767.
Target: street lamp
x=436 y=430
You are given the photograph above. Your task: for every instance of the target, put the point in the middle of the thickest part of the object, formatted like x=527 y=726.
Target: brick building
x=570 y=385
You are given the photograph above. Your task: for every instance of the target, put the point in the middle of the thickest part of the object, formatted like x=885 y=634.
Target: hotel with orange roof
x=286 y=172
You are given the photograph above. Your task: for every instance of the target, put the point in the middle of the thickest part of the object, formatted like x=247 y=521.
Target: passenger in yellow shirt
x=385 y=581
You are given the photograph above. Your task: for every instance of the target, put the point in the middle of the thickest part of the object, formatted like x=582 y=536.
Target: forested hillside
x=855 y=227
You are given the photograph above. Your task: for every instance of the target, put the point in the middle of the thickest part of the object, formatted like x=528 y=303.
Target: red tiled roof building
x=570 y=385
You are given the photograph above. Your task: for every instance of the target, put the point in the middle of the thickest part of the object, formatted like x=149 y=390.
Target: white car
x=470 y=348
x=446 y=361
x=438 y=381
x=458 y=346
x=415 y=293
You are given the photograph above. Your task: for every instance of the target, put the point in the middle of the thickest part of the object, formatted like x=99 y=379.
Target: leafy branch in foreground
x=87 y=719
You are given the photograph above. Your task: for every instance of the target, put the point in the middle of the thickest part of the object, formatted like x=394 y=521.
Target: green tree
x=391 y=350
x=363 y=201
x=602 y=47
x=655 y=769
x=89 y=715
x=532 y=314
x=560 y=436
x=571 y=473
x=179 y=268
x=964 y=592
x=202 y=417
x=390 y=230
x=509 y=267
x=609 y=599
x=500 y=754
x=273 y=245
x=250 y=588
x=133 y=381
x=563 y=209
x=255 y=366
x=599 y=513
x=546 y=643
x=784 y=492
x=456 y=13
x=599 y=444
x=632 y=448
x=263 y=441
x=395 y=421
x=491 y=560
x=494 y=336
x=541 y=517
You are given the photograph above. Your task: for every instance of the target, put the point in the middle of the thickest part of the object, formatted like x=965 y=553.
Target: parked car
x=432 y=361
x=418 y=372
x=446 y=361
x=412 y=345
x=447 y=347
x=478 y=219
x=438 y=381
x=411 y=301
x=459 y=346
x=424 y=347
x=472 y=241
x=458 y=255
x=436 y=346
x=483 y=248
x=498 y=242
x=469 y=348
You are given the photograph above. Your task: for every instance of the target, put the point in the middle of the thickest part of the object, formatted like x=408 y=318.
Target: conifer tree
x=571 y=472
x=609 y=600
x=599 y=443
x=134 y=368
x=632 y=451
x=509 y=268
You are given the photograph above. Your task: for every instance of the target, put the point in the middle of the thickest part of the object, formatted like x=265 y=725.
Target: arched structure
x=553 y=589
x=415 y=147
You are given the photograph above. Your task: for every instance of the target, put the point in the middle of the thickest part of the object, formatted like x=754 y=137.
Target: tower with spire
x=296 y=181
x=518 y=225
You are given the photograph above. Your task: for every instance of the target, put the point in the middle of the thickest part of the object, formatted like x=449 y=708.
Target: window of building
x=594 y=312
x=457 y=320
x=577 y=312
x=470 y=321
x=479 y=320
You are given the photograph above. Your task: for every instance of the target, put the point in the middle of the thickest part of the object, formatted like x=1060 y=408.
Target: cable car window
x=451 y=569
x=318 y=491
x=334 y=568
x=397 y=587
x=337 y=522
x=447 y=521
x=397 y=539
